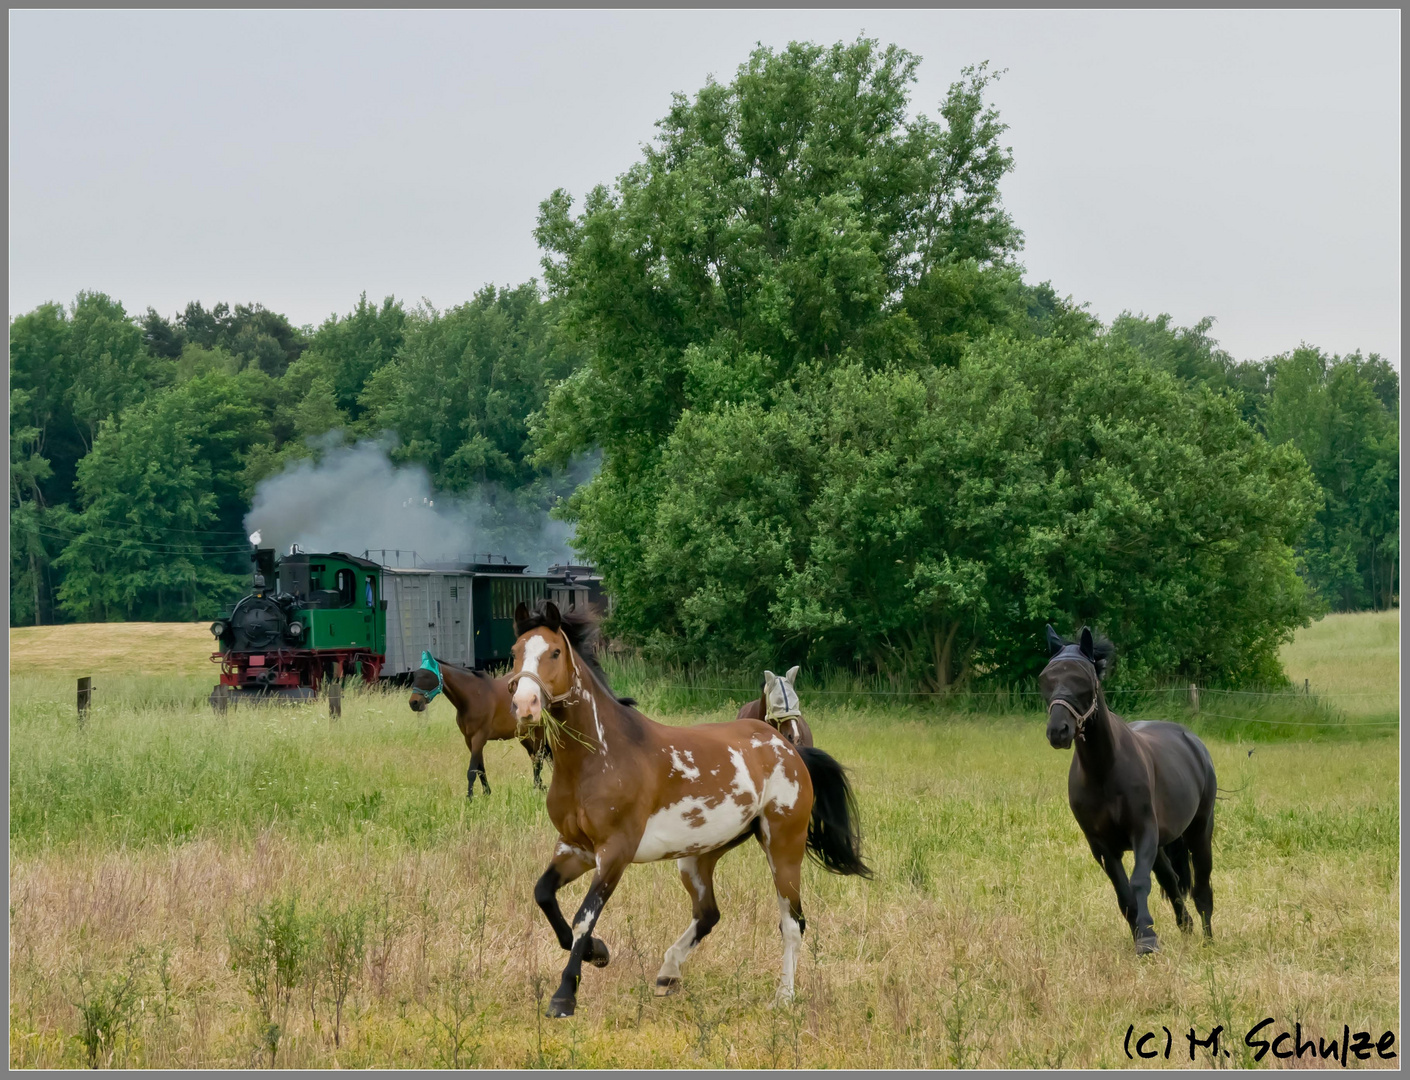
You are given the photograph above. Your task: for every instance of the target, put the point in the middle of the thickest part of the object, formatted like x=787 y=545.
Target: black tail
x=834 y=834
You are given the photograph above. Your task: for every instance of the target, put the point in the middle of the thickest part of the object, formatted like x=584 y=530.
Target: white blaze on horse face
x=526 y=691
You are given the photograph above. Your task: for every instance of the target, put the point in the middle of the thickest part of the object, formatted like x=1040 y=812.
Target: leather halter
x=1081 y=718
x=548 y=697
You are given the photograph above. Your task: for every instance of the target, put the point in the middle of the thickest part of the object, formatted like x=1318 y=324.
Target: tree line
x=836 y=423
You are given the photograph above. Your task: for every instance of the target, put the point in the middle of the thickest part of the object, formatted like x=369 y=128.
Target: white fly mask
x=780 y=699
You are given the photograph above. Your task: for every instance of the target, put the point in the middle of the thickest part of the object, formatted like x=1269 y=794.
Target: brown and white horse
x=626 y=789
x=777 y=705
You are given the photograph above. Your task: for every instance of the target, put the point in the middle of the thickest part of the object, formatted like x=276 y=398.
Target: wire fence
x=1300 y=706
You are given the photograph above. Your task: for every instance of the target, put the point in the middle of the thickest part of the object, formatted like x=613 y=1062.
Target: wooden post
x=1194 y=698
x=335 y=700
x=221 y=699
x=85 y=698
x=1307 y=687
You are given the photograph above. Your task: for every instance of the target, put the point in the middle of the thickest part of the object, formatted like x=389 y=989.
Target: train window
x=346 y=584
x=370 y=593
x=506 y=594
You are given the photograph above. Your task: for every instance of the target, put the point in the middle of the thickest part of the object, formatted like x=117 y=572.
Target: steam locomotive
x=312 y=617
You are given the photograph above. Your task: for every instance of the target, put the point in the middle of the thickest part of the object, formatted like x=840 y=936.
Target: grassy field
x=148 y=849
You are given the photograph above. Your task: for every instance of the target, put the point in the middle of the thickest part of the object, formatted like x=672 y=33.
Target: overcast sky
x=1244 y=165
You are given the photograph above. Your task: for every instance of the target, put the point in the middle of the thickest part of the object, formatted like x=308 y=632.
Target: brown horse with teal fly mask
x=482 y=712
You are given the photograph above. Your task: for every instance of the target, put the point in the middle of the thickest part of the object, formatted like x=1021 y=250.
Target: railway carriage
x=310 y=617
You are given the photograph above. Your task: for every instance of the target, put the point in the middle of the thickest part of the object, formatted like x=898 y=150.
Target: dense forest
x=835 y=421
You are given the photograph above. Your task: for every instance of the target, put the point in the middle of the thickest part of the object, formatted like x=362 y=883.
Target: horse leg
x=784 y=842
x=541 y=754
x=609 y=871
x=1111 y=862
x=477 y=763
x=535 y=750
x=1146 y=846
x=698 y=877
x=1199 y=837
x=568 y=864
x=1170 y=884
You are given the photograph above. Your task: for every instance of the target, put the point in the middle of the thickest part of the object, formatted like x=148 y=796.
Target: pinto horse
x=1147 y=787
x=482 y=712
x=628 y=790
x=777 y=706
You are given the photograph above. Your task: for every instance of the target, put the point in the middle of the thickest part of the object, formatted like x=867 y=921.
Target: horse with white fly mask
x=777 y=705
x=1147 y=787
x=626 y=789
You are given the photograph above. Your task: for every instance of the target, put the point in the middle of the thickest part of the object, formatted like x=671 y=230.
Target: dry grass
x=100 y=649
x=989 y=936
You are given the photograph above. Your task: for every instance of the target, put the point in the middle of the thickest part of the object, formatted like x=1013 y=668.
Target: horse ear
x=521 y=618
x=769 y=679
x=792 y=674
x=1087 y=649
x=1055 y=643
x=551 y=618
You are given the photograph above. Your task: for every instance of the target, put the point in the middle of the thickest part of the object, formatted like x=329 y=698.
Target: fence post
x=1194 y=698
x=335 y=700
x=1307 y=687
x=85 y=698
x=221 y=699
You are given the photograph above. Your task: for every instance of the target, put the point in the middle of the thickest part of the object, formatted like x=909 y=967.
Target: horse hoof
x=559 y=1008
x=1147 y=945
x=598 y=956
x=667 y=985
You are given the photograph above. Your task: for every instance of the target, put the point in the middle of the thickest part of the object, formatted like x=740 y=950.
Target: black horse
x=1146 y=787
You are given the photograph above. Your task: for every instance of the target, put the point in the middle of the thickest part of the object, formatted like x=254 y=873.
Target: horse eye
x=557 y=653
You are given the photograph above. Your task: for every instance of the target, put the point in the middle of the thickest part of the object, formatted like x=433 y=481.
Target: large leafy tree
x=70 y=369
x=793 y=220
x=346 y=352
x=1342 y=413
x=463 y=385
x=780 y=219
x=259 y=337
x=929 y=522
x=159 y=533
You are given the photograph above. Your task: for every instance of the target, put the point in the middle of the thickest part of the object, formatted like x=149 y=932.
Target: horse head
x=780 y=699
x=1070 y=682
x=545 y=668
x=426 y=683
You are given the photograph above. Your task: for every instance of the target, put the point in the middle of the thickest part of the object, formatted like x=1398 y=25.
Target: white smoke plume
x=353 y=498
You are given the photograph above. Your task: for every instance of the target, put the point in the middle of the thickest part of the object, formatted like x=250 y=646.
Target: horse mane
x=581 y=628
